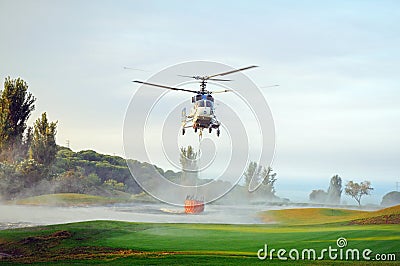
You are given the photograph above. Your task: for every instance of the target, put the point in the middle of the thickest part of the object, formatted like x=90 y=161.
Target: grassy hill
x=303 y=216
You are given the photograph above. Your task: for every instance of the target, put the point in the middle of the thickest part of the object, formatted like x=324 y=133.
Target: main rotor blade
x=230 y=72
x=193 y=77
x=221 y=91
x=276 y=85
x=220 y=79
x=136 y=69
x=162 y=86
x=201 y=78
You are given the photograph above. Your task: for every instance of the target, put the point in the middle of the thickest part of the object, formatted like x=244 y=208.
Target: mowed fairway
x=126 y=243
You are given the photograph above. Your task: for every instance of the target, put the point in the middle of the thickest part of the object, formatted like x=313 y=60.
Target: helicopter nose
x=207 y=110
x=204 y=111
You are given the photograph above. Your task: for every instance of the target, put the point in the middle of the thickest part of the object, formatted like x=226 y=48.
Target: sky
x=336 y=110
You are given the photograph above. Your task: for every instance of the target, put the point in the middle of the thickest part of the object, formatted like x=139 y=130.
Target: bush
x=113 y=184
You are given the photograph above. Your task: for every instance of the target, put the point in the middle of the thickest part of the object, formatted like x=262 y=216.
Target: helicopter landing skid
x=199 y=128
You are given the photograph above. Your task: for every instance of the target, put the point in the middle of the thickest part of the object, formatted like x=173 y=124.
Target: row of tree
x=31 y=163
x=26 y=152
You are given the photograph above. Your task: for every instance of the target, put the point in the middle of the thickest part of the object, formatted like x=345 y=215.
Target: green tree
x=188 y=160
x=93 y=179
x=188 y=157
x=115 y=185
x=262 y=177
x=252 y=171
x=269 y=180
x=318 y=196
x=31 y=172
x=16 y=105
x=10 y=181
x=356 y=190
x=72 y=181
x=43 y=146
x=335 y=190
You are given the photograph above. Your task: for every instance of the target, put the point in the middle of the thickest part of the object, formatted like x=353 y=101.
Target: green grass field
x=124 y=243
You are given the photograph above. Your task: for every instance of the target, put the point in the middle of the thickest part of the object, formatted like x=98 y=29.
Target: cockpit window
x=205 y=103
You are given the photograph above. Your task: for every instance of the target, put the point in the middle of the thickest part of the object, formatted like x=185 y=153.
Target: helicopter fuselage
x=202 y=113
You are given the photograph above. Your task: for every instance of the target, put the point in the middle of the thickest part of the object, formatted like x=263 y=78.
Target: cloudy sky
x=337 y=63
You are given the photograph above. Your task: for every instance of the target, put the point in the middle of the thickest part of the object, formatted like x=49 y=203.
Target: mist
x=23 y=215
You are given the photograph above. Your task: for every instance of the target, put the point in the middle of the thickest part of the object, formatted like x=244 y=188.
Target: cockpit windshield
x=205 y=103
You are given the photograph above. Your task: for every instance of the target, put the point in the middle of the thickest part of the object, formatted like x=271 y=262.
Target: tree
x=188 y=157
x=252 y=171
x=31 y=172
x=318 y=195
x=43 y=146
x=356 y=190
x=260 y=175
x=188 y=160
x=10 y=181
x=16 y=105
x=335 y=190
x=268 y=181
x=115 y=185
x=93 y=179
x=72 y=181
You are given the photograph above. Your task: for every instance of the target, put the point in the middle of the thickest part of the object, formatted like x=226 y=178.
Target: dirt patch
x=80 y=253
x=32 y=245
x=382 y=219
x=49 y=238
x=47 y=248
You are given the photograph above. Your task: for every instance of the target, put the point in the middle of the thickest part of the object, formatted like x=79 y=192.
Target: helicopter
x=202 y=114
